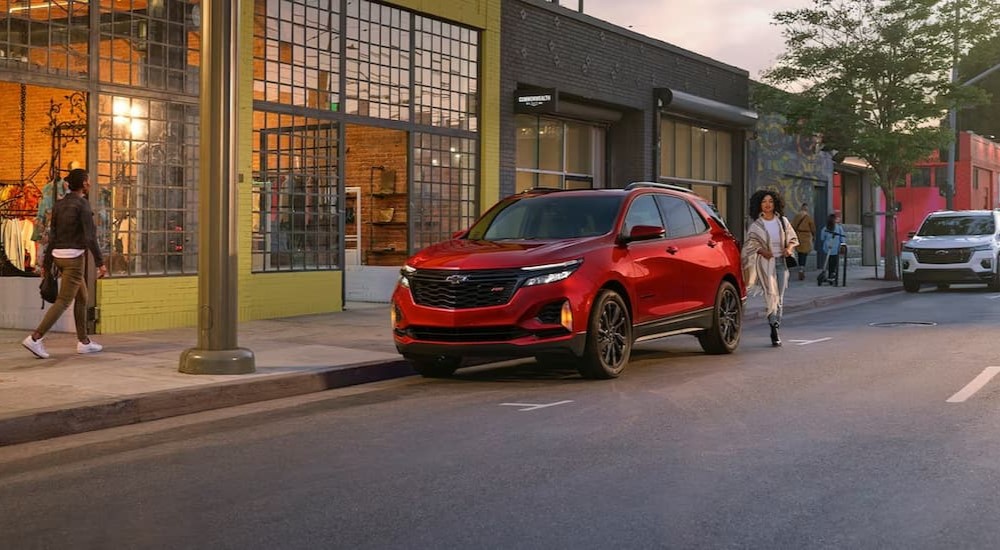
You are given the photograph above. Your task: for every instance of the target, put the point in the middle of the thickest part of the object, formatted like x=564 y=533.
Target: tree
x=984 y=119
x=873 y=79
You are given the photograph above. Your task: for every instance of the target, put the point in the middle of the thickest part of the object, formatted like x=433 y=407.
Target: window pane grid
x=153 y=45
x=296 y=53
x=147 y=165
x=443 y=200
x=446 y=67
x=378 y=61
x=295 y=219
x=48 y=38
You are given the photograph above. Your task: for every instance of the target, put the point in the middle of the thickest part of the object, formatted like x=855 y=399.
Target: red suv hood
x=466 y=254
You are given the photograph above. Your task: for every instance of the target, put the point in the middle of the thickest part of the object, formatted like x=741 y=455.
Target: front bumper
x=977 y=269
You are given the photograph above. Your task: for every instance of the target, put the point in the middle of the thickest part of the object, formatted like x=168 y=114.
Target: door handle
x=712 y=244
x=672 y=250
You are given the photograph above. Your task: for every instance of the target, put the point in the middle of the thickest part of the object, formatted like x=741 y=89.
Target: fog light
x=987 y=263
x=566 y=316
x=395 y=315
x=906 y=264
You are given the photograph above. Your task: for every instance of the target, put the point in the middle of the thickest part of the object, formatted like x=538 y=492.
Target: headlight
x=984 y=246
x=908 y=248
x=551 y=273
x=404 y=275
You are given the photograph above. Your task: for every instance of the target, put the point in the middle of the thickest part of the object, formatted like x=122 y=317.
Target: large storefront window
x=296 y=53
x=699 y=158
x=378 y=60
x=446 y=72
x=45 y=37
x=444 y=184
x=148 y=157
x=294 y=219
x=151 y=45
x=558 y=153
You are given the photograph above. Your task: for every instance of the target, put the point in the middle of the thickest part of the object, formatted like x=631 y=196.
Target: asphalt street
x=849 y=436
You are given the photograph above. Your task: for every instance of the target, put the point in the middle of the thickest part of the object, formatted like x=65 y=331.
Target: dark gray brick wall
x=545 y=45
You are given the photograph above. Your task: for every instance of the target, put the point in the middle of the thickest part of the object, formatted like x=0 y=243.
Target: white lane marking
x=995 y=297
x=807 y=342
x=974 y=386
x=534 y=406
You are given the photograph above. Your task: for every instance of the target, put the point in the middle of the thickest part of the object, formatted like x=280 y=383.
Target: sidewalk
x=135 y=379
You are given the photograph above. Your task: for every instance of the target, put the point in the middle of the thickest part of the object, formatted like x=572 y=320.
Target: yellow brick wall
x=128 y=305
x=167 y=302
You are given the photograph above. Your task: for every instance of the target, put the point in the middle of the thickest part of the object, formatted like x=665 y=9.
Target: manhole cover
x=891 y=324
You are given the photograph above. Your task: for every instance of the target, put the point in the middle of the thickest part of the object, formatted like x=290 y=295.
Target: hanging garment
x=10 y=233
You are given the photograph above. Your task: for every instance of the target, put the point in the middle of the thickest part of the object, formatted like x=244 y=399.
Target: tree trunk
x=891 y=244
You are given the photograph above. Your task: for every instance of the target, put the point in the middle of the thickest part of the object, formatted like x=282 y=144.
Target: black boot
x=775 y=341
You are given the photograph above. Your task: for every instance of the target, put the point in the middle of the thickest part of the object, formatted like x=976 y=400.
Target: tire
x=994 y=285
x=434 y=366
x=910 y=285
x=727 y=322
x=609 y=338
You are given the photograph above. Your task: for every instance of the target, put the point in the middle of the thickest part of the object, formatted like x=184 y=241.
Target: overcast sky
x=737 y=32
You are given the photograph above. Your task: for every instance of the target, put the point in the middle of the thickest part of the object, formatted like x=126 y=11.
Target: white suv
x=954 y=247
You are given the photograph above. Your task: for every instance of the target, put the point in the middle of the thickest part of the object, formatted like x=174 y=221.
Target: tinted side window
x=642 y=211
x=680 y=218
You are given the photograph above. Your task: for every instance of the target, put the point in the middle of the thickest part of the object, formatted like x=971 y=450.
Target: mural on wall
x=791 y=164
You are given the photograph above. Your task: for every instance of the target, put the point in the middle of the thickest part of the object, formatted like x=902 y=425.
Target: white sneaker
x=35 y=346
x=92 y=347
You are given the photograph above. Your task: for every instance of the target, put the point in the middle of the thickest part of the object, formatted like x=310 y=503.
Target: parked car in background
x=573 y=277
x=953 y=247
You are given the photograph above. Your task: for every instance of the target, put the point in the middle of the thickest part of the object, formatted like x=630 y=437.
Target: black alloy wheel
x=727 y=322
x=910 y=285
x=609 y=338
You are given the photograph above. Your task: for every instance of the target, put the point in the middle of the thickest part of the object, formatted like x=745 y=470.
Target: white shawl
x=759 y=273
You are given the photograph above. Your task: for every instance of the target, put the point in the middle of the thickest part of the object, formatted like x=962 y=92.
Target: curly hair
x=758 y=197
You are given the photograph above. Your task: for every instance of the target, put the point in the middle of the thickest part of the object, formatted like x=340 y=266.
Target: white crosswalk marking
x=534 y=406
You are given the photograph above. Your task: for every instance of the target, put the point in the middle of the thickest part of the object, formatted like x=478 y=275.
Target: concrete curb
x=47 y=423
x=826 y=301
x=52 y=422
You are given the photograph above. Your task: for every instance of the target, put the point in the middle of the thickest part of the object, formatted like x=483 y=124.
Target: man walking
x=71 y=235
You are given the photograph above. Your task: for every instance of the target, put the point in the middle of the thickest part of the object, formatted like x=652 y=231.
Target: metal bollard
x=843 y=267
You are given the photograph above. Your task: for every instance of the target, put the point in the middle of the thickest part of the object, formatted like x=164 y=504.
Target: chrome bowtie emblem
x=941 y=252
x=456 y=279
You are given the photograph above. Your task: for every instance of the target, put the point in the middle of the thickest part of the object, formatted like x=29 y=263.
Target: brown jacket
x=805 y=228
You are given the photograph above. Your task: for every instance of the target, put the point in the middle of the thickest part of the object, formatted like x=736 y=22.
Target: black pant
x=834 y=262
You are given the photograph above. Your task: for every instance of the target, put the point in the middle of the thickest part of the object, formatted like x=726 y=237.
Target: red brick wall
x=37 y=136
x=368 y=147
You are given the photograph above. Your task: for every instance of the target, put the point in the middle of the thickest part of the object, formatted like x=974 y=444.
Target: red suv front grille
x=463 y=289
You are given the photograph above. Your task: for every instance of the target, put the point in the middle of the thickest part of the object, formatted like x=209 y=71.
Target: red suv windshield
x=550 y=216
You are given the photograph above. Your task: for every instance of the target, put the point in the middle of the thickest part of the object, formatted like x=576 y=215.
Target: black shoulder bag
x=49 y=287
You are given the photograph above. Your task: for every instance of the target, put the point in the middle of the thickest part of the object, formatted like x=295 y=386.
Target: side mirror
x=910 y=234
x=458 y=234
x=645 y=233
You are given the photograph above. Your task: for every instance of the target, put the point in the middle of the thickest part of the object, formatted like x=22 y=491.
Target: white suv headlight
x=984 y=246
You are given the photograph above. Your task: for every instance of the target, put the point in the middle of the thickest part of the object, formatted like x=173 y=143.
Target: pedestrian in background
x=830 y=239
x=71 y=235
x=805 y=230
x=770 y=240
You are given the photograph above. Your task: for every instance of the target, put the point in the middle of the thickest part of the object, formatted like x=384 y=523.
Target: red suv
x=573 y=278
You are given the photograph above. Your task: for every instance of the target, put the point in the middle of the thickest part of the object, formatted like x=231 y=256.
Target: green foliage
x=873 y=77
x=983 y=119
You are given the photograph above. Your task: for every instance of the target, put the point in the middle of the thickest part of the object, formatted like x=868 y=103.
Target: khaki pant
x=71 y=286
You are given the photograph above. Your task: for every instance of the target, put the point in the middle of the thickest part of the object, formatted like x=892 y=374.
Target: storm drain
x=892 y=324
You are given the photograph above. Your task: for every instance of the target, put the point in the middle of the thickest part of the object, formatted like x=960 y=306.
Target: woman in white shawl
x=770 y=239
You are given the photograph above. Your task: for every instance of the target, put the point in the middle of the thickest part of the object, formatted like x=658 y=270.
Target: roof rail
x=541 y=190
x=638 y=184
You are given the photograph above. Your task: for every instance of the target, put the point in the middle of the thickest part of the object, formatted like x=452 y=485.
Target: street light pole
x=949 y=195
x=217 y=351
